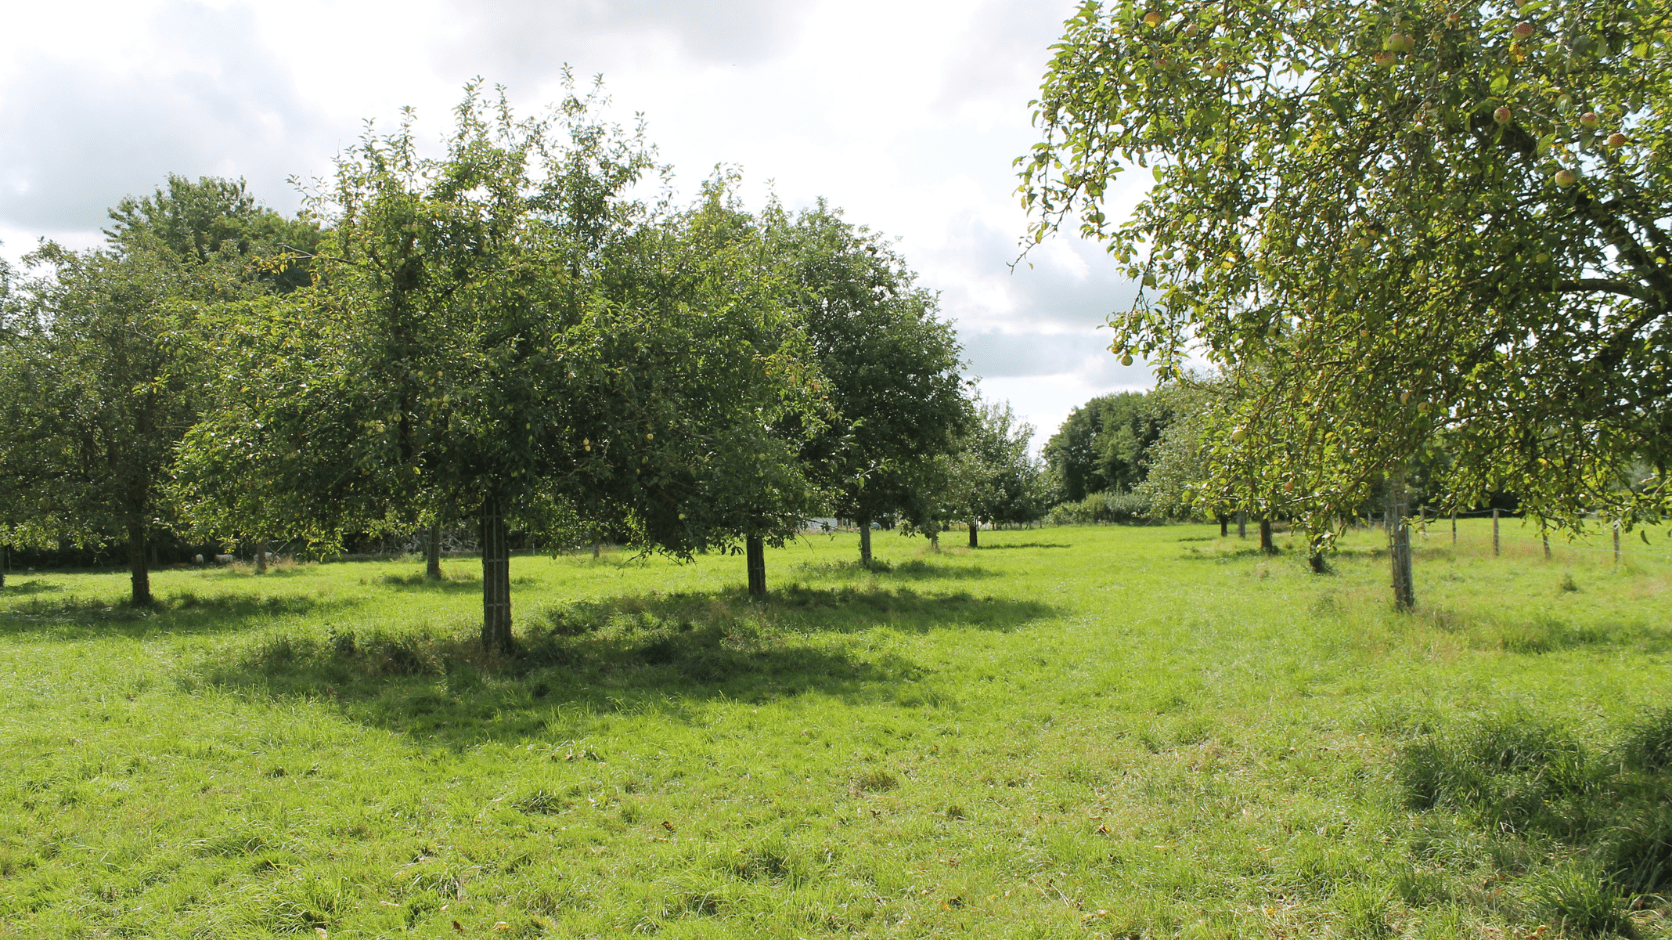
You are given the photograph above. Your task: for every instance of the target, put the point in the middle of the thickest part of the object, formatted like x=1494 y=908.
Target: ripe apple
x=1384 y=58
x=1522 y=30
x=1565 y=177
x=1452 y=19
x=1502 y=115
x=1289 y=486
x=1616 y=139
x=1589 y=119
x=1152 y=19
x=1404 y=396
x=1238 y=435
x=1126 y=360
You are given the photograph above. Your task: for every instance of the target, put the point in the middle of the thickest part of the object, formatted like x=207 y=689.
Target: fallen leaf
x=501 y=925
x=458 y=926
x=667 y=825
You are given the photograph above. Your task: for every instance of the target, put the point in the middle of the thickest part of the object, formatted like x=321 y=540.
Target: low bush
x=1102 y=509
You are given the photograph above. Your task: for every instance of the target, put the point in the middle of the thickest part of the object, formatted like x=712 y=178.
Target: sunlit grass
x=1066 y=732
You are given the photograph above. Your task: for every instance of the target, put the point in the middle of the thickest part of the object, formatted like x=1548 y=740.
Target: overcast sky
x=906 y=114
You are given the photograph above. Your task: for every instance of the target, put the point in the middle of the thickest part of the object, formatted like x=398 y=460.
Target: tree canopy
x=507 y=333
x=890 y=365
x=100 y=376
x=1103 y=445
x=1412 y=218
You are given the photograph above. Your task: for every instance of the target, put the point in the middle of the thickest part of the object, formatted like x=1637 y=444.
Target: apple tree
x=504 y=332
x=100 y=369
x=993 y=477
x=1411 y=219
x=890 y=366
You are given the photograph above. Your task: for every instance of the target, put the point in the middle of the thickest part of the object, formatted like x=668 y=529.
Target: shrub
x=1102 y=509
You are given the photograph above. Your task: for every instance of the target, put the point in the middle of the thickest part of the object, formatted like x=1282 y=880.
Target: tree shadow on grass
x=917 y=569
x=15 y=588
x=452 y=584
x=990 y=548
x=75 y=617
x=664 y=653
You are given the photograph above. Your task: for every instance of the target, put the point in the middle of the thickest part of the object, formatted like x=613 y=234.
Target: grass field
x=1086 y=732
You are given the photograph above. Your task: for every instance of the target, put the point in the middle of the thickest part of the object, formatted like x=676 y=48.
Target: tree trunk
x=139 y=572
x=432 y=553
x=261 y=557
x=754 y=550
x=496 y=577
x=1242 y=524
x=1315 y=554
x=865 y=542
x=975 y=527
x=4 y=548
x=1224 y=526
x=1399 y=541
x=1266 y=544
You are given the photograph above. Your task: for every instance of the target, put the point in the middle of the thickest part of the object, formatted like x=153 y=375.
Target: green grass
x=1098 y=732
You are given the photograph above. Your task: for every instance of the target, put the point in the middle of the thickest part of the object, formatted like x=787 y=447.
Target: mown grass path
x=1067 y=732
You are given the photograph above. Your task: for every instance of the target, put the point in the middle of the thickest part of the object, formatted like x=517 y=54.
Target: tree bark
x=1315 y=555
x=139 y=571
x=975 y=527
x=865 y=542
x=1266 y=544
x=261 y=557
x=1399 y=543
x=496 y=577
x=1224 y=526
x=432 y=553
x=754 y=549
x=1242 y=524
x=4 y=549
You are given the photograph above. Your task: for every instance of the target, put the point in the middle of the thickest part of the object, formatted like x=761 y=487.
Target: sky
x=905 y=114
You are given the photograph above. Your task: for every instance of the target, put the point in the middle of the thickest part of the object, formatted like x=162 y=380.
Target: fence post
x=1494 y=533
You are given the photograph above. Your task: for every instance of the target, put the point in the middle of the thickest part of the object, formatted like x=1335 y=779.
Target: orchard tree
x=1412 y=217
x=993 y=477
x=101 y=371
x=736 y=375
x=504 y=333
x=890 y=367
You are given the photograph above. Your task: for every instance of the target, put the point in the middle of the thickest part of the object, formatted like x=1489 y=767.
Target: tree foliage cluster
x=1104 y=445
x=1387 y=225
x=522 y=331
